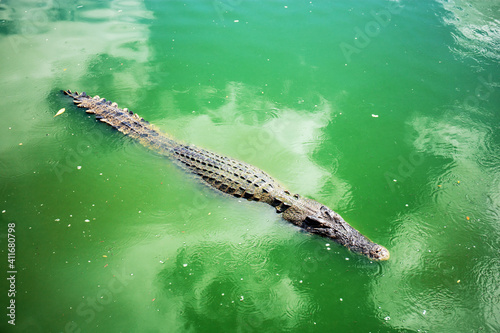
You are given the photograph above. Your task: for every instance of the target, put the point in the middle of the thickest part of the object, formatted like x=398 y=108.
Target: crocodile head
x=332 y=225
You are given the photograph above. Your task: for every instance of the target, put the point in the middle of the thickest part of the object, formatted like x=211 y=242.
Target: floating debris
x=374 y=115
x=60 y=112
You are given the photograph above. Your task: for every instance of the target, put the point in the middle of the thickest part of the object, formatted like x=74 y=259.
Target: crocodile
x=233 y=177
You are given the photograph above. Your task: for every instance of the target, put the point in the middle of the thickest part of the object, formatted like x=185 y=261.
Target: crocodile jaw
x=321 y=220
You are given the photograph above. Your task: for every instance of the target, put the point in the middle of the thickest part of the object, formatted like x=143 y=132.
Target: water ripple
x=477 y=29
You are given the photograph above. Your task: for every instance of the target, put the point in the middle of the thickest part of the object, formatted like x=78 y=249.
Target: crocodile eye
x=313 y=221
x=326 y=212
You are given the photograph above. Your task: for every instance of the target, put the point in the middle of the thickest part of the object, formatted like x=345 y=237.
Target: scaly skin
x=233 y=177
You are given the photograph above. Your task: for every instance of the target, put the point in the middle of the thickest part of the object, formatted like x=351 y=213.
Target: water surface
x=386 y=111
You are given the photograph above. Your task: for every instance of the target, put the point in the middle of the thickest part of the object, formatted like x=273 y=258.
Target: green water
x=386 y=111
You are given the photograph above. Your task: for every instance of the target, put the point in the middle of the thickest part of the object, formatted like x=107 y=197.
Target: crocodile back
x=223 y=173
x=226 y=174
x=125 y=121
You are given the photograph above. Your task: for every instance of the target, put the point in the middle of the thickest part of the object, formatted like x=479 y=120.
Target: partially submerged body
x=234 y=177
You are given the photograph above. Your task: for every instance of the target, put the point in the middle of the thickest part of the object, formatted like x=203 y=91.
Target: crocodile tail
x=125 y=121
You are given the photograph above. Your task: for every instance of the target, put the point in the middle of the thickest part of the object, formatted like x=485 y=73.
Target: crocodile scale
x=233 y=177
